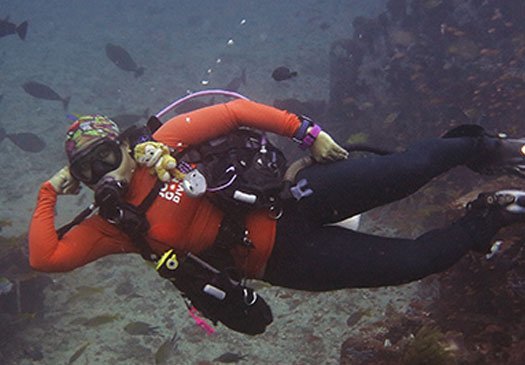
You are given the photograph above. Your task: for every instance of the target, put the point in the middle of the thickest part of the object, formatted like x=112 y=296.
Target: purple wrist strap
x=310 y=137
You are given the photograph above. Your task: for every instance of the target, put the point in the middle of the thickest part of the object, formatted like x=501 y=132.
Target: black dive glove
x=216 y=295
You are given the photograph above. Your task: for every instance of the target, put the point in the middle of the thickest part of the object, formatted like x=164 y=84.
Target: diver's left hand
x=325 y=149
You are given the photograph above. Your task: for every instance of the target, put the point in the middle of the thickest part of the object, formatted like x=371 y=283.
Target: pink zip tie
x=200 y=322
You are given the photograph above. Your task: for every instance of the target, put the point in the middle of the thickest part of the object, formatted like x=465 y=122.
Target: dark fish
x=125 y=120
x=167 y=351
x=355 y=317
x=140 y=328
x=78 y=353
x=42 y=91
x=100 y=320
x=121 y=58
x=229 y=358
x=283 y=73
x=84 y=292
x=236 y=82
x=1 y=97
x=28 y=142
x=7 y=28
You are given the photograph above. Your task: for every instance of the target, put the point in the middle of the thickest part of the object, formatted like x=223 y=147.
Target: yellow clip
x=169 y=260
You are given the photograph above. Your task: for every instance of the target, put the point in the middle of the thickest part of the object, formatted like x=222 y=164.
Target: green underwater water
x=366 y=79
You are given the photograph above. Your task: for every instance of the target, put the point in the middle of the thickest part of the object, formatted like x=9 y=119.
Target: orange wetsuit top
x=176 y=220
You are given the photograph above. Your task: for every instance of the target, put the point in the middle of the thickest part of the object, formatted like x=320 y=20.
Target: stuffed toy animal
x=157 y=157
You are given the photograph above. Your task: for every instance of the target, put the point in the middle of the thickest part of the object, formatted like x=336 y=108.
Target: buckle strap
x=152 y=195
x=232 y=231
x=138 y=235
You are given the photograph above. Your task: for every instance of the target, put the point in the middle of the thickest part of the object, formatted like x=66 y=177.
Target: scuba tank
x=241 y=171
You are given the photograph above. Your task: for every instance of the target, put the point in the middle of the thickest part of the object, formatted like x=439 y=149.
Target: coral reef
x=416 y=70
x=432 y=64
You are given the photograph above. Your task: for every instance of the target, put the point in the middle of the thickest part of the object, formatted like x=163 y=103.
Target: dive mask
x=91 y=164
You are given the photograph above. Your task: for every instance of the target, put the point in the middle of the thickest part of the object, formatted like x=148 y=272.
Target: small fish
x=125 y=120
x=78 y=353
x=84 y=292
x=283 y=73
x=1 y=97
x=28 y=142
x=140 y=328
x=8 y=28
x=5 y=285
x=100 y=320
x=354 y=318
x=237 y=81
x=41 y=91
x=166 y=351
x=230 y=358
x=122 y=59
x=390 y=118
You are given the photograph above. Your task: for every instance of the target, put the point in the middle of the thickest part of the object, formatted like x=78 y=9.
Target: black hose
x=79 y=218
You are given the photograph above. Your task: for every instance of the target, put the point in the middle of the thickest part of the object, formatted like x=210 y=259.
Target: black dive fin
x=465 y=130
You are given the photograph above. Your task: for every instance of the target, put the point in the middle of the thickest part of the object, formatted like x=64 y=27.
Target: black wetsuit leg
x=345 y=188
x=310 y=256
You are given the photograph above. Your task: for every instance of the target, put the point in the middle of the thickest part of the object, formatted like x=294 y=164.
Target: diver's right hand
x=64 y=183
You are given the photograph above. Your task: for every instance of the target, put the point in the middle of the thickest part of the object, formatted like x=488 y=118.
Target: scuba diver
x=206 y=231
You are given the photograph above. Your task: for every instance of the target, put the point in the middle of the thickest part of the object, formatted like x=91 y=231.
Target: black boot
x=490 y=212
x=497 y=154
